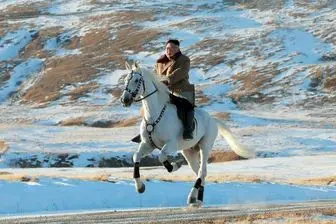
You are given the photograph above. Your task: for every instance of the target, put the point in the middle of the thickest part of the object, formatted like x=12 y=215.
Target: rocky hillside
x=62 y=63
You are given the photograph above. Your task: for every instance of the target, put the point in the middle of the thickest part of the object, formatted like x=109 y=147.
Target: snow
x=60 y=7
x=302 y=46
x=68 y=22
x=298 y=145
x=5 y=3
x=20 y=73
x=60 y=195
x=51 y=44
x=13 y=42
x=112 y=79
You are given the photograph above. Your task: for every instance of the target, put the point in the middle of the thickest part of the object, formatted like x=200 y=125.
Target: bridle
x=149 y=126
x=136 y=91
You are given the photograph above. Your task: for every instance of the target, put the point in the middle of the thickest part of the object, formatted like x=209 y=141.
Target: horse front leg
x=195 y=197
x=144 y=149
x=168 y=148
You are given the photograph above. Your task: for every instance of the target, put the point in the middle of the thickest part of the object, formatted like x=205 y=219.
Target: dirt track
x=307 y=212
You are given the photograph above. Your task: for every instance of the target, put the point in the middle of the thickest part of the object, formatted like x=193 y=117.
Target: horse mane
x=163 y=90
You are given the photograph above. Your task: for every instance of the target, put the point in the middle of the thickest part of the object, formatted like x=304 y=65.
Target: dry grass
x=126 y=123
x=3 y=147
x=35 y=47
x=116 y=92
x=151 y=173
x=2 y=30
x=100 y=48
x=330 y=84
x=77 y=121
x=278 y=4
x=22 y=10
x=80 y=121
x=324 y=77
x=316 y=181
x=208 y=45
x=305 y=216
x=25 y=178
x=17 y=177
x=82 y=90
x=200 y=98
x=253 y=80
x=222 y=116
x=59 y=72
x=223 y=156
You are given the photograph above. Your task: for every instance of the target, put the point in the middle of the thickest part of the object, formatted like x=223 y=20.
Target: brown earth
x=283 y=217
x=27 y=10
x=253 y=81
x=82 y=90
x=317 y=181
x=207 y=45
x=278 y=4
x=222 y=116
x=3 y=147
x=77 y=121
x=98 y=49
x=330 y=83
x=322 y=212
x=80 y=121
x=223 y=156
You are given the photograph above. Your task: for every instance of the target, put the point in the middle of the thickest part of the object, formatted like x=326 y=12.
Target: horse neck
x=152 y=104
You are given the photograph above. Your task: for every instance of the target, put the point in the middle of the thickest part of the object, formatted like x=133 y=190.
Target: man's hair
x=173 y=41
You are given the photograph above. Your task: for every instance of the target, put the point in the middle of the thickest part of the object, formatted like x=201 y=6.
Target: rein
x=136 y=91
x=149 y=126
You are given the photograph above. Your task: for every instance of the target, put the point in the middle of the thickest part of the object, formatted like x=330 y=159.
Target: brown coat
x=175 y=71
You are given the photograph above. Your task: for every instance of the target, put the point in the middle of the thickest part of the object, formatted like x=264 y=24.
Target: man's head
x=172 y=47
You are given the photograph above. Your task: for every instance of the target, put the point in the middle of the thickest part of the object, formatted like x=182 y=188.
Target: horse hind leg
x=195 y=197
x=192 y=157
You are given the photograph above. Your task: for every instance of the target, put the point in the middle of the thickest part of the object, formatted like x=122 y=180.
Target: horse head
x=134 y=85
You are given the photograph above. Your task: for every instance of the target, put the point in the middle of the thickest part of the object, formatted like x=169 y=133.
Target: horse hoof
x=196 y=204
x=141 y=189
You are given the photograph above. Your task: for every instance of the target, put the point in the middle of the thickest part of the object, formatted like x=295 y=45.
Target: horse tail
x=233 y=143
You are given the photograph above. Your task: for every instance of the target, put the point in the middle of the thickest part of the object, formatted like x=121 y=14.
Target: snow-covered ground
x=55 y=195
x=265 y=68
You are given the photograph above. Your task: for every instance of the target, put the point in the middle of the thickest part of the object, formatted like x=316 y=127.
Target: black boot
x=188 y=125
x=136 y=139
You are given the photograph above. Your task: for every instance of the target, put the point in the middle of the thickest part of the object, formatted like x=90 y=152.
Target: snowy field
x=269 y=69
x=64 y=195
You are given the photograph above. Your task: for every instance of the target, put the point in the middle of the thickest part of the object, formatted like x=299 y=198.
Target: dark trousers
x=181 y=102
x=185 y=111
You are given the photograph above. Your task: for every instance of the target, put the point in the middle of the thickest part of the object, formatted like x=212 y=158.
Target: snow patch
x=57 y=195
x=20 y=73
x=13 y=42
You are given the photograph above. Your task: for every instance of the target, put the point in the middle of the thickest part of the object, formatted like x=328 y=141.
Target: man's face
x=171 y=50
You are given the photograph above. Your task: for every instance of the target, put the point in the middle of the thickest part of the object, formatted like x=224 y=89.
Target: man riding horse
x=172 y=69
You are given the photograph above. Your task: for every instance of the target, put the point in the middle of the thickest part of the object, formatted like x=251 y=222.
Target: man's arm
x=179 y=73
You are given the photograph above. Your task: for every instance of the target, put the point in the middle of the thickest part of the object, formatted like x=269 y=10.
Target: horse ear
x=136 y=66
x=128 y=67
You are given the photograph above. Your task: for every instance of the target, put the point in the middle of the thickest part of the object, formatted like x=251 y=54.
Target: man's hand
x=165 y=82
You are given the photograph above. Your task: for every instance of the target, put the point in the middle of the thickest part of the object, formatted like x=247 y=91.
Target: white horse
x=161 y=128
